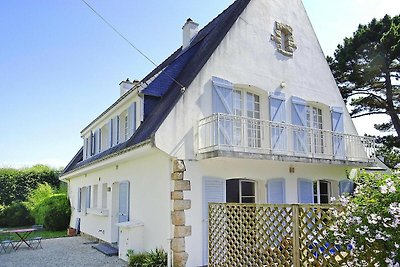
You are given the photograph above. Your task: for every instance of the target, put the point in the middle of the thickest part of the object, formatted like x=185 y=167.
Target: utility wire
x=130 y=43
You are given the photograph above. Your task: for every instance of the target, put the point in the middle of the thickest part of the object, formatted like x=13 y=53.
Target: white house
x=245 y=111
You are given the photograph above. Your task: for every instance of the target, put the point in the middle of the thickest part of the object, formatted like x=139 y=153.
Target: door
x=214 y=190
x=123 y=209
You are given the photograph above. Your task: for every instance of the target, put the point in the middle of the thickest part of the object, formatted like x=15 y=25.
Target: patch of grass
x=43 y=233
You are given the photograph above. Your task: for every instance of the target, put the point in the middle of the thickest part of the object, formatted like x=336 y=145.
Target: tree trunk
x=390 y=106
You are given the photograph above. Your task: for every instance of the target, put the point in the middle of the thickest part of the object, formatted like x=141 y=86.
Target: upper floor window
x=314 y=120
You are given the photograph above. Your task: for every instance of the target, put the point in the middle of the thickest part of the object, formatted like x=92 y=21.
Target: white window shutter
x=277 y=114
x=79 y=201
x=116 y=130
x=223 y=103
x=338 y=129
x=214 y=190
x=299 y=117
x=99 y=140
x=276 y=191
x=123 y=213
x=88 y=191
x=110 y=132
x=91 y=143
x=132 y=119
x=346 y=186
x=305 y=191
x=84 y=148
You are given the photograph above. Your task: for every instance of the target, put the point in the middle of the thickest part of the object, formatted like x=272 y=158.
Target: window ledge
x=98 y=212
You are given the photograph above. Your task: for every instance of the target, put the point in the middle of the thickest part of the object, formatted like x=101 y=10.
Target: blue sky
x=60 y=65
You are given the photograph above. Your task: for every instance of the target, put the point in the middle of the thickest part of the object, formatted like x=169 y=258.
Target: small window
x=95 y=196
x=240 y=191
x=104 y=190
x=322 y=192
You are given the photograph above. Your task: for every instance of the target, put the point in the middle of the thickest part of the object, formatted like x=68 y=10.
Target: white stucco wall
x=149 y=177
x=247 y=56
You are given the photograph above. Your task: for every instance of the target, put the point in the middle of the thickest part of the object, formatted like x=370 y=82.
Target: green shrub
x=16 y=214
x=136 y=259
x=37 y=195
x=54 y=212
x=156 y=258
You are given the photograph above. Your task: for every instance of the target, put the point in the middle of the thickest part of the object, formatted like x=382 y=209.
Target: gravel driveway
x=68 y=251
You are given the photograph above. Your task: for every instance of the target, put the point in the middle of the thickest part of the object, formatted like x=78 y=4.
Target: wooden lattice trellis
x=272 y=235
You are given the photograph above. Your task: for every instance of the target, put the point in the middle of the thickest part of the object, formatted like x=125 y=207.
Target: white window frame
x=318 y=195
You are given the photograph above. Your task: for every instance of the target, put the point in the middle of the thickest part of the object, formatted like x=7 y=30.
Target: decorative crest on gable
x=284 y=40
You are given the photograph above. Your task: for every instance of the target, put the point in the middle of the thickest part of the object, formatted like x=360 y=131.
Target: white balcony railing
x=240 y=134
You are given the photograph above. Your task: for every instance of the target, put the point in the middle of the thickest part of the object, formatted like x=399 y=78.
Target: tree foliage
x=367 y=69
x=17 y=184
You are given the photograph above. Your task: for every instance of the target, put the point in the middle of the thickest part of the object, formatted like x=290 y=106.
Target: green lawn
x=43 y=233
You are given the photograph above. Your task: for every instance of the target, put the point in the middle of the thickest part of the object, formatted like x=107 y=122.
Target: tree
x=367 y=70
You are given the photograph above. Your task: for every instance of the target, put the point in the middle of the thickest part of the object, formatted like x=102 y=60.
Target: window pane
x=248 y=188
x=248 y=199
x=323 y=188
x=232 y=191
x=324 y=199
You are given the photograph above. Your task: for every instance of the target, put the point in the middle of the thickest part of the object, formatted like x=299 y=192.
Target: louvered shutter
x=123 y=213
x=91 y=143
x=305 y=191
x=346 y=186
x=115 y=128
x=276 y=191
x=131 y=119
x=88 y=191
x=214 y=190
x=99 y=140
x=110 y=132
x=338 y=130
x=223 y=103
x=299 y=118
x=79 y=201
x=278 y=117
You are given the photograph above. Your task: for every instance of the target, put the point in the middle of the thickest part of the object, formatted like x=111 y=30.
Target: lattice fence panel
x=250 y=235
x=273 y=235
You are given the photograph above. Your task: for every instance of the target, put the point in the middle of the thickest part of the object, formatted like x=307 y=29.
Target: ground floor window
x=240 y=191
x=322 y=192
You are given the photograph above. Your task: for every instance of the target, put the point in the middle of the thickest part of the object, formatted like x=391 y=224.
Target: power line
x=130 y=43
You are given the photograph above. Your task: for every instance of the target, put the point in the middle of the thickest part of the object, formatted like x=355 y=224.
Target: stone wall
x=181 y=230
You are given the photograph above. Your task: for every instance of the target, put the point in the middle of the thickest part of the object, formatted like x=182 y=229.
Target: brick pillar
x=181 y=230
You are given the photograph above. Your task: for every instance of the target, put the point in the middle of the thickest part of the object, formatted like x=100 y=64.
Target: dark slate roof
x=183 y=66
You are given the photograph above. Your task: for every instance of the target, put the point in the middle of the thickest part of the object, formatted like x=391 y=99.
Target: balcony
x=235 y=136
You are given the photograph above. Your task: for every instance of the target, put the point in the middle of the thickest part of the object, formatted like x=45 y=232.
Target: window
x=95 y=196
x=126 y=128
x=104 y=190
x=248 y=105
x=322 y=192
x=314 y=121
x=240 y=191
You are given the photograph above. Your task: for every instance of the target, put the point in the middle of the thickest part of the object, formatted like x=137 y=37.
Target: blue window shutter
x=277 y=114
x=110 y=133
x=299 y=117
x=223 y=103
x=305 y=191
x=276 y=191
x=338 y=129
x=222 y=96
x=79 y=202
x=346 y=186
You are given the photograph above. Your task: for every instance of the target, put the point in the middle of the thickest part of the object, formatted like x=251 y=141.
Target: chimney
x=190 y=29
x=127 y=85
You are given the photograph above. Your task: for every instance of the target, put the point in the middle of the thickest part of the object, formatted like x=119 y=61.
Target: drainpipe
x=169 y=255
